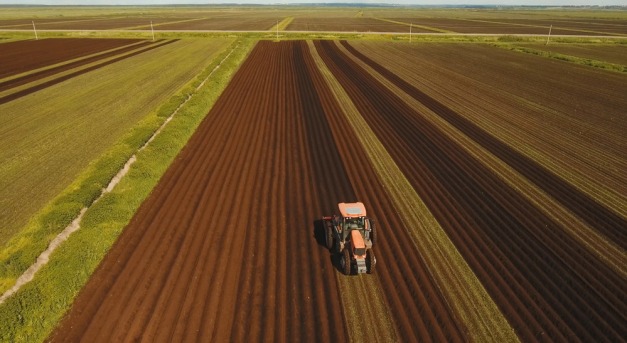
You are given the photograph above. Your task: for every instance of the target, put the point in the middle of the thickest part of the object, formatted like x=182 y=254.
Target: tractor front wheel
x=345 y=262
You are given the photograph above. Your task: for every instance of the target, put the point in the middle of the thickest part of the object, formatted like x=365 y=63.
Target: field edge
x=33 y=312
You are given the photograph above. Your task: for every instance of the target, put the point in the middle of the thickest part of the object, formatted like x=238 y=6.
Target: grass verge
x=31 y=314
x=568 y=58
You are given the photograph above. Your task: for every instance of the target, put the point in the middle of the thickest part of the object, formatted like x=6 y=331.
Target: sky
x=397 y=2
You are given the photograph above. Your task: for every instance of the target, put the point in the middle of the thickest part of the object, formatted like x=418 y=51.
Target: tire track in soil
x=580 y=297
x=184 y=267
x=595 y=214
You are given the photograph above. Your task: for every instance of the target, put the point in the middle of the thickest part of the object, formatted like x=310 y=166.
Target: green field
x=50 y=136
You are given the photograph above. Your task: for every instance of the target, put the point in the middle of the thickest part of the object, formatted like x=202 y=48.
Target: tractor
x=351 y=235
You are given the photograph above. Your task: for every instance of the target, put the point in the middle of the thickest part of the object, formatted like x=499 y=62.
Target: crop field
x=492 y=165
x=240 y=18
x=64 y=107
x=519 y=205
x=345 y=25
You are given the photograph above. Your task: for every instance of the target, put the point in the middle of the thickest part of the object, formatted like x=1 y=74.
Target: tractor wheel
x=370 y=261
x=373 y=231
x=345 y=262
x=329 y=237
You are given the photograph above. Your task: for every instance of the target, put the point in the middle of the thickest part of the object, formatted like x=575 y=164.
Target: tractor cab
x=353 y=217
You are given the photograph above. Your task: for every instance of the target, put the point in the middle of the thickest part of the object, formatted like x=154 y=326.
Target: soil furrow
x=426 y=145
x=55 y=81
x=597 y=215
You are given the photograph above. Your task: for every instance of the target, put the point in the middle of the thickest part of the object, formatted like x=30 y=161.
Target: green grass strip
x=282 y=26
x=568 y=58
x=32 y=313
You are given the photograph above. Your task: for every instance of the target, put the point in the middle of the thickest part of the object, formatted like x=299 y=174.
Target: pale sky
x=401 y=2
x=397 y=2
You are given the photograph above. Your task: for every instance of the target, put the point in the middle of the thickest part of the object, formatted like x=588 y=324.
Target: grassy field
x=54 y=134
x=31 y=314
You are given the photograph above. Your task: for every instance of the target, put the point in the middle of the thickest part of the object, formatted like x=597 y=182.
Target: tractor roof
x=352 y=209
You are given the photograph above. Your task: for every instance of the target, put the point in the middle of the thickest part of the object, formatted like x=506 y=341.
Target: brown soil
x=21 y=56
x=345 y=25
x=228 y=246
x=543 y=282
x=36 y=76
x=55 y=70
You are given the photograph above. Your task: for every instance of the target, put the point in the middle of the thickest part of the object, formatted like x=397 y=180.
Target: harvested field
x=345 y=25
x=21 y=56
x=589 y=25
x=221 y=23
x=492 y=27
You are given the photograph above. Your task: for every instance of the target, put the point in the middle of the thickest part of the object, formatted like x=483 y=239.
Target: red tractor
x=352 y=235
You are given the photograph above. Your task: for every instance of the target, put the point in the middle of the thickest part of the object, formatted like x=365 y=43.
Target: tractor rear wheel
x=345 y=262
x=370 y=261
x=329 y=236
x=373 y=231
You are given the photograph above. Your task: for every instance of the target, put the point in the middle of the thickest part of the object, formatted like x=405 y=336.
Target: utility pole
x=277 y=29
x=549 y=36
x=34 y=29
x=410 y=26
x=153 y=31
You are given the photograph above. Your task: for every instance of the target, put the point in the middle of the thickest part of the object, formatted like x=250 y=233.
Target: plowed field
x=20 y=56
x=228 y=246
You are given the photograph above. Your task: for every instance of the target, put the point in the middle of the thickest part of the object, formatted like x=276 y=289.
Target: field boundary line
x=594 y=242
x=43 y=258
x=461 y=288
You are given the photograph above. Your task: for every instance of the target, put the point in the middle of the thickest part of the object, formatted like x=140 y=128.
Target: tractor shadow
x=319 y=235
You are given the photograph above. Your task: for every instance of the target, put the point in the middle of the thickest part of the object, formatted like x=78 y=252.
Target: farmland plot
x=272 y=156
x=54 y=133
x=509 y=243
x=21 y=56
x=563 y=292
